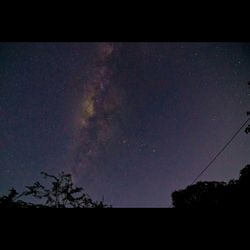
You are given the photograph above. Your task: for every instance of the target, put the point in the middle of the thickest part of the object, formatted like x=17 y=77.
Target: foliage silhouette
x=61 y=194
x=235 y=193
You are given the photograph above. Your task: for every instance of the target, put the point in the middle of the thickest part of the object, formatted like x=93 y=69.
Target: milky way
x=100 y=108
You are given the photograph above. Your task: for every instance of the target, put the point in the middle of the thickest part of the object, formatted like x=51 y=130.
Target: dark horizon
x=132 y=122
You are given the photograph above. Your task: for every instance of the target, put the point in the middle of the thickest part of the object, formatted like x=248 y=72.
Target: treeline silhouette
x=235 y=193
x=61 y=193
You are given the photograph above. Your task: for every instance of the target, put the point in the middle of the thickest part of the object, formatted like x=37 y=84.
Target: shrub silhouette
x=61 y=194
x=235 y=193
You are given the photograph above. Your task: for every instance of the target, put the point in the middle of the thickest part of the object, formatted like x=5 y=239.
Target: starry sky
x=132 y=122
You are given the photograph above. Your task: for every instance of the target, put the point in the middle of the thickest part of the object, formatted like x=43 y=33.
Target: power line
x=220 y=152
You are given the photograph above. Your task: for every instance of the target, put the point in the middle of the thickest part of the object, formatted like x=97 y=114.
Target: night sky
x=132 y=122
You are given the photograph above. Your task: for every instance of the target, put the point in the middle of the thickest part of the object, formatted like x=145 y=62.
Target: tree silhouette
x=235 y=193
x=10 y=200
x=62 y=193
